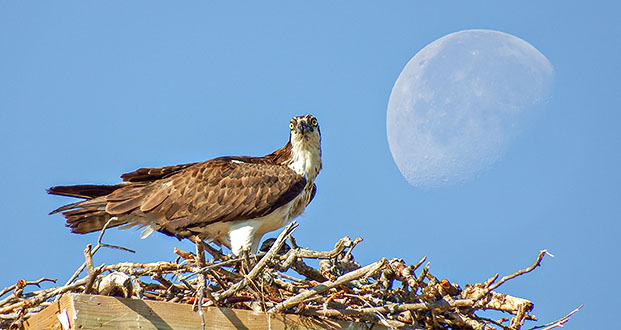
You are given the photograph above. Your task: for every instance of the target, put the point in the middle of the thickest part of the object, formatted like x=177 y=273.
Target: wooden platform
x=83 y=311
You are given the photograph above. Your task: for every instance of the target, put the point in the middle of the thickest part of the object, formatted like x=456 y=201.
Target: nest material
x=388 y=292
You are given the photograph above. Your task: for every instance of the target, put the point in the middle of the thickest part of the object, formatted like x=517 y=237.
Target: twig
x=558 y=323
x=439 y=305
x=117 y=247
x=220 y=264
x=168 y=285
x=496 y=323
x=420 y=262
x=21 y=284
x=300 y=267
x=186 y=283
x=294 y=244
x=218 y=279
x=351 y=247
x=421 y=277
x=310 y=254
x=294 y=279
x=43 y=297
x=97 y=247
x=215 y=253
x=146 y=269
x=536 y=264
x=293 y=259
x=359 y=273
x=89 y=267
x=466 y=321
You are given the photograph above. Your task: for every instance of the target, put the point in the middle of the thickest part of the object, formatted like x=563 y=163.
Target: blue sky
x=92 y=90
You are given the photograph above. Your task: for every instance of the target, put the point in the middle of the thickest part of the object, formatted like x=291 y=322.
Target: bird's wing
x=151 y=174
x=208 y=192
x=313 y=192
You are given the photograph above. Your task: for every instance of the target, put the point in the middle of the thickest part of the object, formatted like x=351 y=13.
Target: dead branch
x=19 y=289
x=529 y=269
x=39 y=298
x=558 y=323
x=97 y=247
x=360 y=273
x=22 y=284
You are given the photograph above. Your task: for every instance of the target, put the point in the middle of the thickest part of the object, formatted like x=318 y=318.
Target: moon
x=459 y=103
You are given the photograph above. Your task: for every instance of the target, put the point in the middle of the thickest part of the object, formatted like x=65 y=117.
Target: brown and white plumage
x=229 y=200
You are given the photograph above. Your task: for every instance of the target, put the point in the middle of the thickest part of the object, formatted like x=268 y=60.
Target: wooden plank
x=103 y=312
x=45 y=319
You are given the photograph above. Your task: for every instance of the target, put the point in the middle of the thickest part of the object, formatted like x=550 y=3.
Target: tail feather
x=66 y=207
x=98 y=202
x=85 y=210
x=88 y=215
x=84 y=225
x=103 y=203
x=84 y=190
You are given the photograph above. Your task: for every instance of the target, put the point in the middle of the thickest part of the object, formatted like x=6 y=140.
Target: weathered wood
x=46 y=319
x=102 y=312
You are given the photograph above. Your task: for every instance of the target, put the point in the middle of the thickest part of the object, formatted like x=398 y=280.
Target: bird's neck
x=306 y=159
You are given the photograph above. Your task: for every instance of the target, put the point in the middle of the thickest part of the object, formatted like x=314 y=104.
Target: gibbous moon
x=460 y=101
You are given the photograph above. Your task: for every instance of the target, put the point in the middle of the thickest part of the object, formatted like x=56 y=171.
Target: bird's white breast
x=246 y=234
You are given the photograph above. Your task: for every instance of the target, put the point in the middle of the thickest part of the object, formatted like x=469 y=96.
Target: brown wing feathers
x=150 y=174
x=225 y=191
x=184 y=196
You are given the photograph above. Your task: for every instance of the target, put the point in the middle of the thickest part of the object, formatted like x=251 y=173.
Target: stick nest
x=278 y=279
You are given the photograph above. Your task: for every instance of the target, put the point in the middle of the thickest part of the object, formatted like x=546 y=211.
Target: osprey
x=232 y=201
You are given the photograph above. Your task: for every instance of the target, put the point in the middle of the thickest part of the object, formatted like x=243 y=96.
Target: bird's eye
x=314 y=122
x=291 y=126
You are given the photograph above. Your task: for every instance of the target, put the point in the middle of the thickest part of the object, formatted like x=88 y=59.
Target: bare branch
x=558 y=323
x=529 y=269
x=360 y=273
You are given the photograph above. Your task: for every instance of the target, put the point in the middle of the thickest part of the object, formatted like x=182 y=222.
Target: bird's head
x=304 y=131
x=305 y=140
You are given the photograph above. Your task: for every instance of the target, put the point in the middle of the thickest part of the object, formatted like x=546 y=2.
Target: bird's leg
x=245 y=256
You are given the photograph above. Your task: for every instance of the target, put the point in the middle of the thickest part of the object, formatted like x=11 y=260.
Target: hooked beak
x=304 y=126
